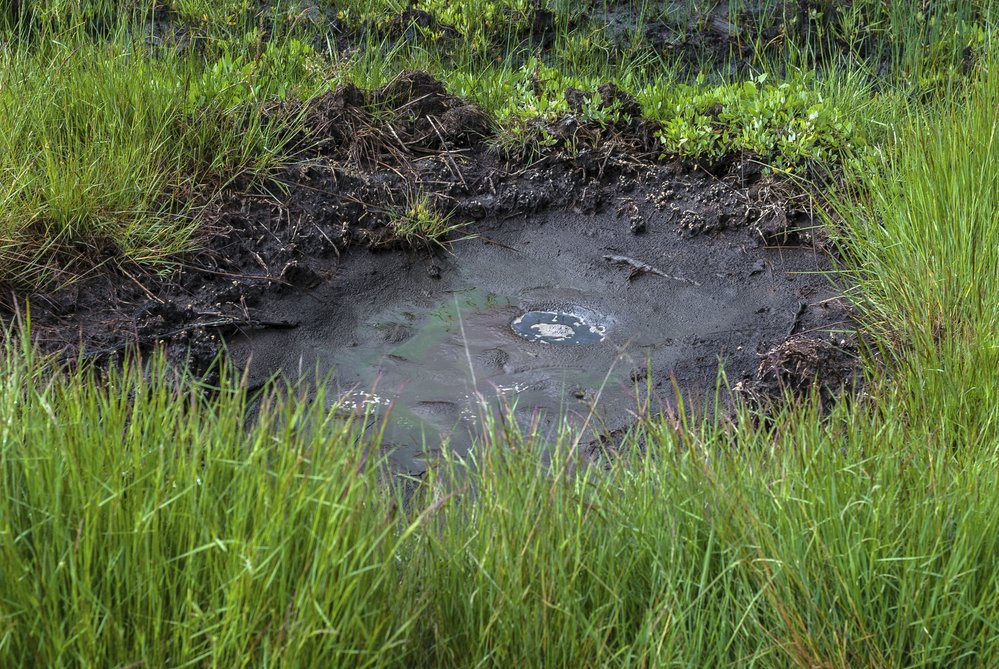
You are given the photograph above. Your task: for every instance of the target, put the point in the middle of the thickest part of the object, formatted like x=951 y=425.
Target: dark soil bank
x=678 y=268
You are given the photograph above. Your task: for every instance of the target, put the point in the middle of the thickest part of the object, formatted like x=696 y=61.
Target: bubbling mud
x=539 y=322
x=557 y=327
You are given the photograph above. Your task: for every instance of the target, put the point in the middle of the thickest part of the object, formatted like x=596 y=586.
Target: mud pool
x=540 y=316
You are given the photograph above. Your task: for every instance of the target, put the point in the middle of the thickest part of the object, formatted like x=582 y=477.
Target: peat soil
x=681 y=267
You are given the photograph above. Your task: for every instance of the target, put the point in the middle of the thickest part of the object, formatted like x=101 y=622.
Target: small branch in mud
x=490 y=240
x=796 y=321
x=232 y=323
x=638 y=268
x=235 y=275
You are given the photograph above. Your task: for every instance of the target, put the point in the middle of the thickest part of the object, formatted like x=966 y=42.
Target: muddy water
x=532 y=317
x=435 y=370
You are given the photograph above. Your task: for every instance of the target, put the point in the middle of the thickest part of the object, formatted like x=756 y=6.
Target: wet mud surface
x=679 y=268
x=432 y=341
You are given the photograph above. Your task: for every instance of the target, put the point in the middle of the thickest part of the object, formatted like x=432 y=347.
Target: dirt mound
x=411 y=116
x=416 y=92
x=803 y=362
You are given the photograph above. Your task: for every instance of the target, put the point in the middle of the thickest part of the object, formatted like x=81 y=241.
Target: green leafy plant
x=210 y=12
x=251 y=69
x=786 y=124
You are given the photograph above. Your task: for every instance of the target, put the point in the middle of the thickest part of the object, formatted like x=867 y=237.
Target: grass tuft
x=420 y=223
x=922 y=240
x=103 y=148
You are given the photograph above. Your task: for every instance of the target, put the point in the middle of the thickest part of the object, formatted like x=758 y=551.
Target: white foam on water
x=553 y=330
x=557 y=327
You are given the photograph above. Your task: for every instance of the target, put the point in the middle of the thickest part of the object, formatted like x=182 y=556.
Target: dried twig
x=490 y=240
x=638 y=268
x=447 y=153
x=796 y=321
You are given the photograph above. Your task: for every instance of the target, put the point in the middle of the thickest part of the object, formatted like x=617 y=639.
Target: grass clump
x=193 y=540
x=922 y=237
x=103 y=147
x=420 y=223
x=88 y=150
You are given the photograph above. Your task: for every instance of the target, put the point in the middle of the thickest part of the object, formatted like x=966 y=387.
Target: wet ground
x=557 y=315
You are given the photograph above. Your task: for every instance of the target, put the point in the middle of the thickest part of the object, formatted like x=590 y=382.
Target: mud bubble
x=558 y=327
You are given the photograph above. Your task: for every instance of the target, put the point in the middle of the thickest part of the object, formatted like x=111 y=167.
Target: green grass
x=104 y=148
x=88 y=150
x=922 y=240
x=419 y=223
x=843 y=540
x=148 y=520
x=173 y=547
